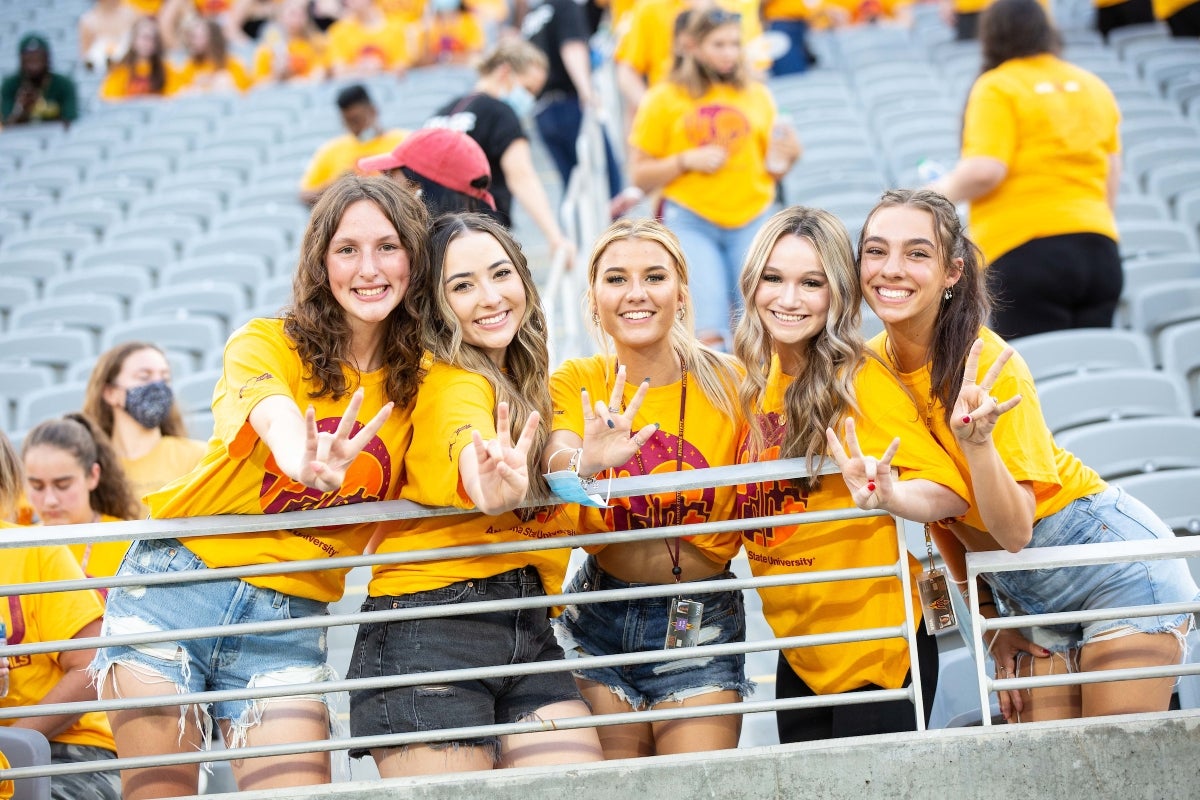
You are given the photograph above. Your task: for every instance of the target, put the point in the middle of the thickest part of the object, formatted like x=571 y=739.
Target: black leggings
x=1055 y=283
x=1130 y=12
x=1186 y=21
x=835 y=722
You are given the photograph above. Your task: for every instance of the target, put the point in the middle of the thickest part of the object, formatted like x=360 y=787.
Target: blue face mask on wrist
x=520 y=100
x=149 y=404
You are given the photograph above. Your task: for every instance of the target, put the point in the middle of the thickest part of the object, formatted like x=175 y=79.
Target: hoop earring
x=949 y=293
x=679 y=315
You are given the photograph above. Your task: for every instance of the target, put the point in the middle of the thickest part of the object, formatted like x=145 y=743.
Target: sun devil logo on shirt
x=772 y=497
x=659 y=510
x=717 y=124
x=367 y=479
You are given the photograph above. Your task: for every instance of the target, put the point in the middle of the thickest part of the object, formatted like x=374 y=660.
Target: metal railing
x=1071 y=556
x=367 y=512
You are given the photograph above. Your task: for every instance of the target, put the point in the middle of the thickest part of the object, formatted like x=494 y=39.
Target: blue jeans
x=636 y=626
x=795 y=60
x=1108 y=516
x=227 y=662
x=714 y=259
x=559 y=123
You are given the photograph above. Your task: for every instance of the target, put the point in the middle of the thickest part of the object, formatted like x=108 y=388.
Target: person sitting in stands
x=338 y=156
x=33 y=93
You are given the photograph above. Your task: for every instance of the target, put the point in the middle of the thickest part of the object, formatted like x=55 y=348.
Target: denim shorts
x=1108 y=516
x=225 y=662
x=638 y=626
x=477 y=640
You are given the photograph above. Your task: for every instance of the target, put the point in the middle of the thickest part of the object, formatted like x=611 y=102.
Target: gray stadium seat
x=219 y=301
x=47 y=177
x=1077 y=400
x=142 y=168
x=123 y=283
x=148 y=255
x=90 y=312
x=275 y=291
x=52 y=348
x=115 y=193
x=1141 y=273
x=15 y=290
x=1179 y=346
x=1133 y=208
x=17 y=380
x=64 y=242
x=52 y=401
x=289 y=219
x=1155 y=307
x=265 y=242
x=195 y=336
x=1171 y=495
x=91 y=214
x=175 y=230
x=27 y=748
x=194 y=392
x=232 y=267
x=199 y=425
x=197 y=206
x=1135 y=446
x=1072 y=352
x=1149 y=238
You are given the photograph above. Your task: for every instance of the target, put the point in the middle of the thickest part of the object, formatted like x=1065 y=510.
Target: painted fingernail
x=646 y=379
x=870 y=486
x=611 y=424
x=657 y=426
x=966 y=420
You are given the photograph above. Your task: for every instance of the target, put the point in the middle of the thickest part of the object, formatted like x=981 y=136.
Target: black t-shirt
x=494 y=126
x=548 y=26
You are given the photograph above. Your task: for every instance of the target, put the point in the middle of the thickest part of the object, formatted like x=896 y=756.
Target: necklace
x=673 y=544
x=891 y=354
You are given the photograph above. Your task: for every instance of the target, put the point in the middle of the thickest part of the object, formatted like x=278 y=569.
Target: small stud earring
x=949 y=293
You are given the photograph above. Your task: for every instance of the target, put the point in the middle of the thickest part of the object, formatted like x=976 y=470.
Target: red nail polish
x=870 y=486
x=966 y=420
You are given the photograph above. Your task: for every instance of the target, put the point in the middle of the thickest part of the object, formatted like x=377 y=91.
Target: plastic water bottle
x=929 y=170
x=4 y=675
x=775 y=162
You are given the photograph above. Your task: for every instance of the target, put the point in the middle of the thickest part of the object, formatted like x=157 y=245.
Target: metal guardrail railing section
x=1071 y=556
x=653 y=484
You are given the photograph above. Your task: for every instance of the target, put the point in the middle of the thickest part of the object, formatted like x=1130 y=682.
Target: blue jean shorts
x=638 y=626
x=1108 y=516
x=222 y=663
x=477 y=640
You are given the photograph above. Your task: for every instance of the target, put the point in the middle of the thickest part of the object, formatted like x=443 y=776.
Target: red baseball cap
x=443 y=156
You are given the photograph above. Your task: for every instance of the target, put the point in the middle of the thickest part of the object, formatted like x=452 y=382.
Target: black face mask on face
x=149 y=404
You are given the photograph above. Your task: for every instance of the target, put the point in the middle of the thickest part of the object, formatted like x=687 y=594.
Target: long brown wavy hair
x=87 y=444
x=316 y=322
x=524 y=382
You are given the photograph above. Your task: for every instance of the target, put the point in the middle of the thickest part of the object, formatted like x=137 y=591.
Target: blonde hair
x=714 y=372
x=516 y=54
x=699 y=23
x=524 y=381
x=824 y=394
x=11 y=478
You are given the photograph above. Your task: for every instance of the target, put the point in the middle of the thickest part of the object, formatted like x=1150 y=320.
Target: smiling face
x=792 y=296
x=58 y=487
x=721 y=49
x=484 y=291
x=903 y=272
x=637 y=293
x=368 y=267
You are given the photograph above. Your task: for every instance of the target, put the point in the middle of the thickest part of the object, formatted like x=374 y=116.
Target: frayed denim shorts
x=637 y=626
x=477 y=640
x=1108 y=516
x=225 y=662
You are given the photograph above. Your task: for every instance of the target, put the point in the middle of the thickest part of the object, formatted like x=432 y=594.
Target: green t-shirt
x=55 y=103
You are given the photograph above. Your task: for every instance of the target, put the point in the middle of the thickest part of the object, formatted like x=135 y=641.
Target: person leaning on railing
x=640 y=303
x=807 y=371
x=923 y=278
x=47 y=678
x=345 y=350
x=484 y=331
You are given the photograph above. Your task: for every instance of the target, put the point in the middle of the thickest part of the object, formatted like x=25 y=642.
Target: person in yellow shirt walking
x=702 y=137
x=367 y=41
x=364 y=137
x=1041 y=167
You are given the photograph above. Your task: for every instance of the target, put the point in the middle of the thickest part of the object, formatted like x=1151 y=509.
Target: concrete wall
x=1154 y=756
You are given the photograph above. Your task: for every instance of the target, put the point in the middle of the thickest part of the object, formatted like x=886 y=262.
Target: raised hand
x=976 y=411
x=870 y=480
x=608 y=438
x=502 y=468
x=327 y=456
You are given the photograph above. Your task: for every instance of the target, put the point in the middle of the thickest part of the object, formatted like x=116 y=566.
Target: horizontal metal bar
x=1098 y=676
x=388 y=510
x=1075 y=555
x=1090 y=615
x=413 y=556
x=451 y=676
x=453 y=734
x=451 y=610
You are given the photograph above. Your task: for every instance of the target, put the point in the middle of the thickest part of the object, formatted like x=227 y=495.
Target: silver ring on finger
x=612 y=410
